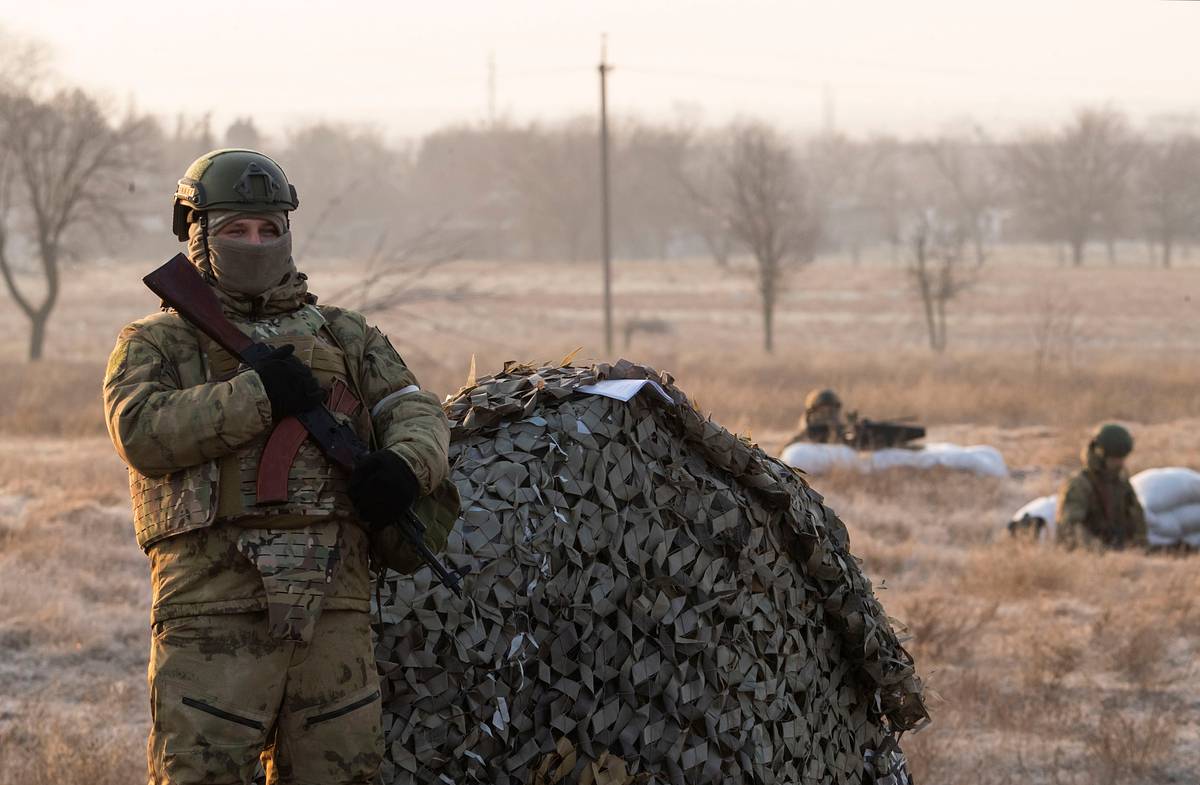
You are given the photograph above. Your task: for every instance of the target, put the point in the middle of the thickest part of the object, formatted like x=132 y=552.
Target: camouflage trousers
x=223 y=692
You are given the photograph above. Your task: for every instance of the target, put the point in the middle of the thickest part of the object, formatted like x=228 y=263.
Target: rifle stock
x=179 y=285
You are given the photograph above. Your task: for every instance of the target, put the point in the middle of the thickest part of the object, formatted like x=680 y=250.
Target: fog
x=409 y=68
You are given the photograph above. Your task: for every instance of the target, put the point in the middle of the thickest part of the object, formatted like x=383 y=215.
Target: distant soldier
x=1098 y=507
x=823 y=423
x=261 y=627
x=822 y=420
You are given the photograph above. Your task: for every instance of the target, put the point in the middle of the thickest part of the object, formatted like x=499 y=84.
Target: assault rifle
x=865 y=434
x=182 y=288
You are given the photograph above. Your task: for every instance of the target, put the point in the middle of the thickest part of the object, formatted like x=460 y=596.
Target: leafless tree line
x=530 y=191
x=74 y=172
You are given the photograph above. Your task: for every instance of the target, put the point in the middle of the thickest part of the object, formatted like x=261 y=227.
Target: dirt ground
x=1044 y=666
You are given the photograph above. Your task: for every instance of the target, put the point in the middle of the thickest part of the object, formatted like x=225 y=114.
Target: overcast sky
x=405 y=67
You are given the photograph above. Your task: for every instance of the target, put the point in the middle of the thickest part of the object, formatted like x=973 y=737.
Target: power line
x=710 y=75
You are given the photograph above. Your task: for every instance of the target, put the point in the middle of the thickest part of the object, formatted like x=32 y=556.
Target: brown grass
x=52 y=398
x=945 y=629
x=1128 y=747
x=1139 y=658
x=52 y=747
x=759 y=396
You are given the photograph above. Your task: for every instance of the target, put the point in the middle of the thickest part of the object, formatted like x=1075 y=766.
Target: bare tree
x=1072 y=183
x=886 y=188
x=23 y=62
x=970 y=184
x=938 y=270
x=1168 y=186
x=699 y=179
x=395 y=271
x=62 y=163
x=768 y=210
x=350 y=182
x=555 y=177
x=1056 y=330
x=647 y=213
x=840 y=185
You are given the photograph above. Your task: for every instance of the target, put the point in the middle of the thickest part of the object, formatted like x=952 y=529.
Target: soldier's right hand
x=290 y=385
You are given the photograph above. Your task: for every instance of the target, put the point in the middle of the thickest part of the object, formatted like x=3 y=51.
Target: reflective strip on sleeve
x=387 y=399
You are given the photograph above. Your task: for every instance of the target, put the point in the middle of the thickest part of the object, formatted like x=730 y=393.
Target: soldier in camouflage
x=822 y=420
x=261 y=637
x=1097 y=507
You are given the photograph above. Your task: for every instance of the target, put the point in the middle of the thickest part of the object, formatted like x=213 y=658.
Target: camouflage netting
x=652 y=599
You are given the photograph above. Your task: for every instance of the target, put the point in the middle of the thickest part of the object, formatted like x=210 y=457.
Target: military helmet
x=242 y=180
x=1113 y=441
x=822 y=398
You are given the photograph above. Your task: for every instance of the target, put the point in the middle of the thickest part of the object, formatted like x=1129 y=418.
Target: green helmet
x=242 y=180
x=822 y=398
x=1113 y=441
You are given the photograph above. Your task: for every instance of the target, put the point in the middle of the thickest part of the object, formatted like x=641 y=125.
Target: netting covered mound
x=652 y=599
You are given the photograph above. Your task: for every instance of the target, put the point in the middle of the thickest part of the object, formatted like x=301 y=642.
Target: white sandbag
x=893 y=458
x=1167 y=488
x=1036 y=519
x=1162 y=528
x=1044 y=508
x=978 y=459
x=1187 y=518
x=819 y=459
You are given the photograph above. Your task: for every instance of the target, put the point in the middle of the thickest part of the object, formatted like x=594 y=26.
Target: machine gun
x=866 y=434
x=182 y=288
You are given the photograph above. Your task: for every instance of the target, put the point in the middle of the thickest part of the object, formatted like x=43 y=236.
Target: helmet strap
x=207 y=271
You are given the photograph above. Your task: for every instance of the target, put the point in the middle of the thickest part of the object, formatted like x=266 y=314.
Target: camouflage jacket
x=173 y=425
x=1098 y=508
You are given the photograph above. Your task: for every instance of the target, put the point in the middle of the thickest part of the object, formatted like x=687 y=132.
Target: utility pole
x=605 y=222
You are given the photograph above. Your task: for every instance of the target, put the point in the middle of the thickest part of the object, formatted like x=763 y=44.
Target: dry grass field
x=1045 y=666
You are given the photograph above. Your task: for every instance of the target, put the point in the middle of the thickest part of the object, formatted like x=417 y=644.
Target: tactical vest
x=194 y=497
x=316 y=488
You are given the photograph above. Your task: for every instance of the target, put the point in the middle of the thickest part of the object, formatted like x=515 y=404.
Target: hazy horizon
x=903 y=69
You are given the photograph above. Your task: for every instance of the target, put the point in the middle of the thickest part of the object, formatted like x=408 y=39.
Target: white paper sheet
x=624 y=389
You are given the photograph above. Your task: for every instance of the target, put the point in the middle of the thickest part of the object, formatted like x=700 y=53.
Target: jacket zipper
x=213 y=710
x=332 y=715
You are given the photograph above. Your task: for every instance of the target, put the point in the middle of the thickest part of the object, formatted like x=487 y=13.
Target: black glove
x=382 y=487
x=290 y=385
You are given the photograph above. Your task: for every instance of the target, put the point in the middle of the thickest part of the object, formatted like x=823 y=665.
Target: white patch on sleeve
x=379 y=408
